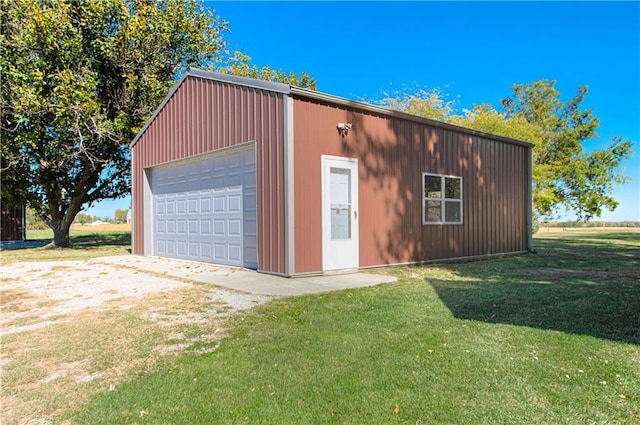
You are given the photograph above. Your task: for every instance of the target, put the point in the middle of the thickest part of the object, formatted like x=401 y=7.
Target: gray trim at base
x=410 y=263
x=450 y=260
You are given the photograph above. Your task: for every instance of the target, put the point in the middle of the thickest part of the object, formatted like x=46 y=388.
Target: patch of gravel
x=65 y=287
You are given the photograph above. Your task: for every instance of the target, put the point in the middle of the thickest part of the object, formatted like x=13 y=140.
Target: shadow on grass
x=85 y=240
x=587 y=284
x=101 y=239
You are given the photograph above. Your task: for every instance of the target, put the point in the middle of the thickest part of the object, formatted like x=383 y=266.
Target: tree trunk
x=60 y=236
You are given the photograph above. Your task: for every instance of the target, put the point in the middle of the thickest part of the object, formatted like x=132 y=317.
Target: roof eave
x=314 y=95
x=336 y=100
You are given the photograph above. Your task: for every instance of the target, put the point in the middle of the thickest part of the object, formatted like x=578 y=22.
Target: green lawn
x=86 y=242
x=533 y=339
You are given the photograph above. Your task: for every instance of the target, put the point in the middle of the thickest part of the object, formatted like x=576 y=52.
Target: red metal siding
x=392 y=154
x=204 y=116
x=11 y=225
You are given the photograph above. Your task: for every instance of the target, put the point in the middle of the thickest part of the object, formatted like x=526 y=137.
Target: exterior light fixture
x=344 y=128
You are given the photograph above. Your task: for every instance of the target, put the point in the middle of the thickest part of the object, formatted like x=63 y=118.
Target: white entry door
x=339 y=213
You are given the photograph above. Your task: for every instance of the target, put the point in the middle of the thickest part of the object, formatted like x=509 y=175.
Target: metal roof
x=318 y=96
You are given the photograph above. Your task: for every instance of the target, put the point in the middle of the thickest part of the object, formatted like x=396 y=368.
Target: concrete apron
x=244 y=280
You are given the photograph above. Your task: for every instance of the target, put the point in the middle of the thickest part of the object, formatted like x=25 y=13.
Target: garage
x=319 y=183
x=204 y=208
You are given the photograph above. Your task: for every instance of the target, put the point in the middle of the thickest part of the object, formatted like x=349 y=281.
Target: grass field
x=534 y=339
x=86 y=242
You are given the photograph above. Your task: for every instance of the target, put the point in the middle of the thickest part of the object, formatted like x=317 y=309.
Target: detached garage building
x=289 y=181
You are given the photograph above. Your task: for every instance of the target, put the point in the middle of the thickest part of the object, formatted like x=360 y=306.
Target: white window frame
x=442 y=199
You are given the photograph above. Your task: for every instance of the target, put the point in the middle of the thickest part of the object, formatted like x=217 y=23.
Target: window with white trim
x=441 y=199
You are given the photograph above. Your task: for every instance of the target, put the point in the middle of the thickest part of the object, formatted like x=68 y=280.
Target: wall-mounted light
x=344 y=128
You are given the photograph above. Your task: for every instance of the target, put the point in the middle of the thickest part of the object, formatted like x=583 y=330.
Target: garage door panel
x=206 y=250
x=220 y=252
x=205 y=205
x=235 y=228
x=205 y=210
x=219 y=204
x=234 y=203
x=235 y=252
x=181 y=227
x=205 y=227
x=219 y=227
x=181 y=206
x=193 y=227
x=192 y=207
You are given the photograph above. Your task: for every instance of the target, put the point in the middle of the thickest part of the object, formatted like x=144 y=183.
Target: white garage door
x=205 y=209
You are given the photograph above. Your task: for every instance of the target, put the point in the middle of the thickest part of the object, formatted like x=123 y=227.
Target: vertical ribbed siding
x=12 y=225
x=204 y=116
x=392 y=154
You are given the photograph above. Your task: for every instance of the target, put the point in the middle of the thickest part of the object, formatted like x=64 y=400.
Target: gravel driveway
x=64 y=287
x=73 y=328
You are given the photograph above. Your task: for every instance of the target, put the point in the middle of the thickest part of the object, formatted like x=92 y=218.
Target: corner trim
x=289 y=202
x=134 y=189
x=147 y=219
x=530 y=201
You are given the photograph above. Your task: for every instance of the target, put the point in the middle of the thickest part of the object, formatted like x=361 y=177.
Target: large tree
x=240 y=64
x=565 y=175
x=79 y=79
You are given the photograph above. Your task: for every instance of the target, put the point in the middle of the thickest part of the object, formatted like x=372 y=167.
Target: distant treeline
x=35 y=223
x=592 y=224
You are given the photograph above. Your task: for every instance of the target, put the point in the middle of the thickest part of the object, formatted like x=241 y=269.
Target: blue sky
x=472 y=51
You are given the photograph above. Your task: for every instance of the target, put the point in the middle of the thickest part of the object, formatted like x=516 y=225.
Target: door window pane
x=340 y=183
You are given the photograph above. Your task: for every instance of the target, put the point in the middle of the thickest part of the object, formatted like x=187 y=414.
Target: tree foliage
x=120 y=216
x=79 y=79
x=240 y=64
x=564 y=173
x=427 y=103
x=83 y=218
